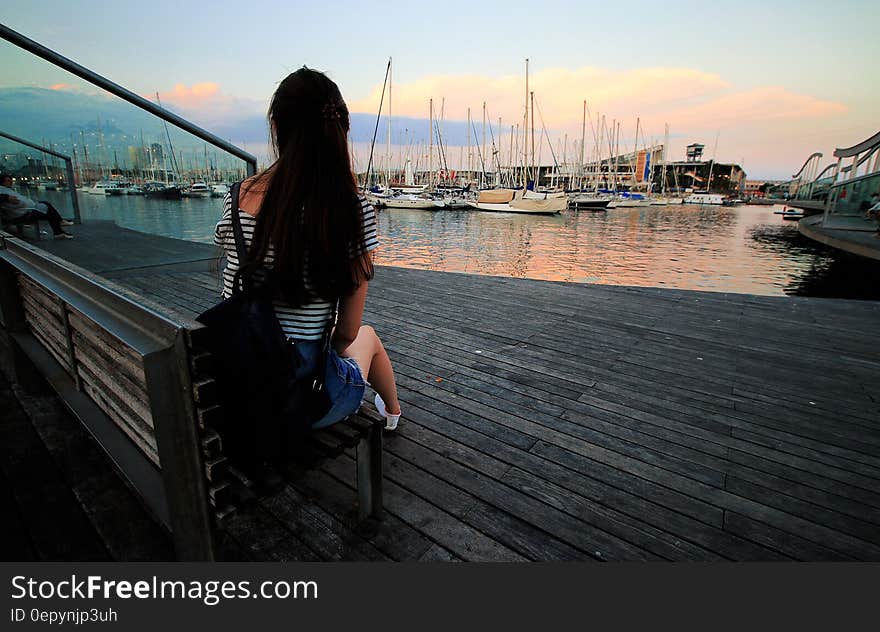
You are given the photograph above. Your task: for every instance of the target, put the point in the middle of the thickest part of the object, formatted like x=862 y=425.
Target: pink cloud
x=207 y=103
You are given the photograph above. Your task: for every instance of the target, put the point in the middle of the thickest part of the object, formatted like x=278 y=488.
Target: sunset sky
x=775 y=81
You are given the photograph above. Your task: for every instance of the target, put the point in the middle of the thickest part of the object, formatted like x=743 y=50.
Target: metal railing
x=94 y=78
x=67 y=161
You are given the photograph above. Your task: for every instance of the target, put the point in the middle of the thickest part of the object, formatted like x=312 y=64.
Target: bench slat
x=110 y=344
x=97 y=397
x=121 y=413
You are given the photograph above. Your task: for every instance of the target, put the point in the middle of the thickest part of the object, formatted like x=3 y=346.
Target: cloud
x=559 y=93
x=206 y=103
x=61 y=86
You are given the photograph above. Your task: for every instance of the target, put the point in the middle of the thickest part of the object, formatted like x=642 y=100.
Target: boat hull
x=507 y=208
x=595 y=204
x=421 y=205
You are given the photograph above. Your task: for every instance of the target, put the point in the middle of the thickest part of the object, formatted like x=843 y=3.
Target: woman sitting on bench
x=17 y=208
x=303 y=218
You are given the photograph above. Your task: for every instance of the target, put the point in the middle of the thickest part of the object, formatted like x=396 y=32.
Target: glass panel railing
x=855 y=197
x=129 y=166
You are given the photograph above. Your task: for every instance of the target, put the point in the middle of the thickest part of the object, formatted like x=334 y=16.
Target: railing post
x=77 y=218
x=180 y=457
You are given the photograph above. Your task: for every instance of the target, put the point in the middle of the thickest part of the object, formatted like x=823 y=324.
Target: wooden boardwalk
x=551 y=421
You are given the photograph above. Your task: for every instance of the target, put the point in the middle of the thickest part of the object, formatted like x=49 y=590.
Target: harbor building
x=759 y=188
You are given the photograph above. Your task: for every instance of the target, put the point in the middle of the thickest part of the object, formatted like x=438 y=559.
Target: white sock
x=390 y=420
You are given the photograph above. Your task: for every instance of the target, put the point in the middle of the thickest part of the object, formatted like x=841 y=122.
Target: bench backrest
x=123 y=367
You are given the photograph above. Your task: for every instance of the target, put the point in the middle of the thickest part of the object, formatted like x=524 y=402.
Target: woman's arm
x=351 y=313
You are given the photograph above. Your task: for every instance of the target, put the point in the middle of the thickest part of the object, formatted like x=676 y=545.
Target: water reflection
x=743 y=249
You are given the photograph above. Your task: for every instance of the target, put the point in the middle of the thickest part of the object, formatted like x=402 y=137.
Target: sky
x=772 y=81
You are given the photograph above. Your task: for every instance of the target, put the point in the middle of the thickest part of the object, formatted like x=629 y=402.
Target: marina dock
x=557 y=421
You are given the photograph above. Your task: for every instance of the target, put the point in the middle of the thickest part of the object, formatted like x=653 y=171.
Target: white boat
x=376 y=199
x=408 y=189
x=107 y=187
x=197 y=190
x=510 y=201
x=409 y=201
x=543 y=195
x=705 y=198
x=453 y=202
x=664 y=201
x=589 y=201
x=219 y=190
x=631 y=202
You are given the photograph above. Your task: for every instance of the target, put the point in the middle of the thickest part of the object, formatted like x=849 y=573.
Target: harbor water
x=742 y=249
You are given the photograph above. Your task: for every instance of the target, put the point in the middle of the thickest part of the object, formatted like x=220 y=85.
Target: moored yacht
x=197 y=190
x=705 y=198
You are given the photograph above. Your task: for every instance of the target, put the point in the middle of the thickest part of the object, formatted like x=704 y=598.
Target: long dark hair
x=310 y=215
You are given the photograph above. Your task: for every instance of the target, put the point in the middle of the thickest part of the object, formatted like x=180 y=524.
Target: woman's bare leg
x=368 y=352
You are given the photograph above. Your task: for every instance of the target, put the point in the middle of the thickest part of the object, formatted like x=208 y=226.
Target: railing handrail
x=849 y=152
x=77 y=218
x=45 y=150
x=813 y=156
x=16 y=38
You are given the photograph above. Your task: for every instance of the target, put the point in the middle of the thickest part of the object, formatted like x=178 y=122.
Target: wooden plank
x=39 y=317
x=124 y=390
x=393 y=537
x=111 y=358
x=51 y=345
x=125 y=420
x=323 y=533
x=117 y=350
x=39 y=295
x=440 y=526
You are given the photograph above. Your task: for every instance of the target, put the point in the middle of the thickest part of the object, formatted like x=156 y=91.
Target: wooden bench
x=361 y=432
x=139 y=381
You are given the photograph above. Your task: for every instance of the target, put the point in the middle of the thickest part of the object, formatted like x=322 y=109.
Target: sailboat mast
x=388 y=144
x=510 y=159
x=712 y=166
x=636 y=152
x=470 y=157
x=665 y=149
x=525 y=127
x=430 y=142
x=583 y=141
x=535 y=167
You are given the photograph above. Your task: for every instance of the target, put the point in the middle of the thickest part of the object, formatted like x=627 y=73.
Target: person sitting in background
x=874 y=212
x=15 y=207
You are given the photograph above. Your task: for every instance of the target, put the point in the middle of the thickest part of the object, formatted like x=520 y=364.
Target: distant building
x=157 y=154
x=705 y=175
x=758 y=188
x=137 y=158
x=695 y=152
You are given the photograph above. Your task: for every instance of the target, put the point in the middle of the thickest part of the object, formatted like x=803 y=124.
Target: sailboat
x=514 y=201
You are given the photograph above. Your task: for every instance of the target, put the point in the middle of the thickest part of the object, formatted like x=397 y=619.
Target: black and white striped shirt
x=306 y=322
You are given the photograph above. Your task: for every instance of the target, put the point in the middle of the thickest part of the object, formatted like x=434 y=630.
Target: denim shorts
x=342 y=378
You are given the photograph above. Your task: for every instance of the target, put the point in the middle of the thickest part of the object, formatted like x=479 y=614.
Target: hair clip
x=331 y=112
